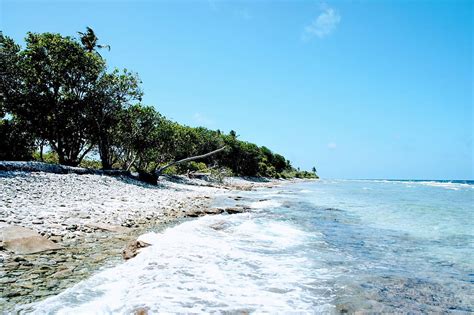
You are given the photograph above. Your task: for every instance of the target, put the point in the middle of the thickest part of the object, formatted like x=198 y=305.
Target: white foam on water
x=213 y=264
x=265 y=204
x=446 y=185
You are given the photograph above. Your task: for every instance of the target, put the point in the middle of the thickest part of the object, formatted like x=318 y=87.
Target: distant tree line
x=59 y=103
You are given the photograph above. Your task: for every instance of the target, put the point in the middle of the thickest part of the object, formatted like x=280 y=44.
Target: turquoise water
x=328 y=246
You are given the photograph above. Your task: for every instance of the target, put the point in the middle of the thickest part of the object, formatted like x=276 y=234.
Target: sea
x=326 y=246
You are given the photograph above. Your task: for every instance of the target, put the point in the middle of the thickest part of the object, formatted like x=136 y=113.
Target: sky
x=358 y=89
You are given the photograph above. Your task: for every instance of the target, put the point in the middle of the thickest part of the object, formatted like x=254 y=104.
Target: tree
x=138 y=134
x=113 y=92
x=15 y=143
x=57 y=77
x=89 y=40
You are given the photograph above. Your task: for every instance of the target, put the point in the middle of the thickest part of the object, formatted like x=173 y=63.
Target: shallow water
x=325 y=246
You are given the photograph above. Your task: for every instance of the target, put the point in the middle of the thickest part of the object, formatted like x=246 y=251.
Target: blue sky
x=359 y=89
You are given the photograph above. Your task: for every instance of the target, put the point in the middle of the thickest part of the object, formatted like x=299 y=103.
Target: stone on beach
x=133 y=248
x=21 y=240
x=235 y=210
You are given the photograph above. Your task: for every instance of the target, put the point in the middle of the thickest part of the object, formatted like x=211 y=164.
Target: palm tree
x=89 y=40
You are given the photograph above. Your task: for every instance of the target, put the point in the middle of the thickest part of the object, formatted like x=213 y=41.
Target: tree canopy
x=58 y=91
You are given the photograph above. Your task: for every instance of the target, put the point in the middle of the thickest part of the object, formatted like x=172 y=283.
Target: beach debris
x=21 y=240
x=133 y=248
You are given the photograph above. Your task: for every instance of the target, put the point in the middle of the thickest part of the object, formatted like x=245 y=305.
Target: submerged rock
x=221 y=225
x=21 y=240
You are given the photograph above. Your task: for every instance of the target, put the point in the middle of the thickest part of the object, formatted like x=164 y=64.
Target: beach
x=91 y=218
x=326 y=246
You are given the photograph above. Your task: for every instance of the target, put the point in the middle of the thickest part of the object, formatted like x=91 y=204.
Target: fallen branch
x=160 y=171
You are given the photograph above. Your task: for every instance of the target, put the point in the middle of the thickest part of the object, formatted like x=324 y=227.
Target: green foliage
x=57 y=93
x=89 y=163
x=48 y=157
x=219 y=174
x=171 y=171
x=53 y=79
x=112 y=94
x=192 y=167
x=15 y=144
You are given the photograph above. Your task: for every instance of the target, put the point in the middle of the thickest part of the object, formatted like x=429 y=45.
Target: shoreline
x=92 y=217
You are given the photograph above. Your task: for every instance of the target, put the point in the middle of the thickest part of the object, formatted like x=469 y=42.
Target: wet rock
x=21 y=240
x=133 y=248
x=11 y=294
x=234 y=210
x=194 y=213
x=221 y=225
x=213 y=210
x=140 y=311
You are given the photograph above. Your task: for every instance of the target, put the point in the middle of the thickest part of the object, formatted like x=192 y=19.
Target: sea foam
x=220 y=263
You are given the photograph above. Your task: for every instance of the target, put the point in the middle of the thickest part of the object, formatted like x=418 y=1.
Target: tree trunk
x=160 y=171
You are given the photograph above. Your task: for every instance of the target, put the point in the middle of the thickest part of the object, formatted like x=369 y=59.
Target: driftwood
x=160 y=171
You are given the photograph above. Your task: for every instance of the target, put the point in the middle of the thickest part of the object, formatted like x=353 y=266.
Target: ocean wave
x=265 y=204
x=213 y=264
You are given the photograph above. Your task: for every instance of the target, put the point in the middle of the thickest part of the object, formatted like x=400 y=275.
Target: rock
x=221 y=225
x=140 y=311
x=61 y=273
x=11 y=294
x=72 y=227
x=133 y=248
x=56 y=238
x=234 y=210
x=213 y=211
x=194 y=213
x=21 y=240
x=108 y=227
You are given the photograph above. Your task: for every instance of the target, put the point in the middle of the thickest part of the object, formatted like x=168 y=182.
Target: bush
x=191 y=167
x=93 y=164
x=219 y=174
x=48 y=157
x=171 y=170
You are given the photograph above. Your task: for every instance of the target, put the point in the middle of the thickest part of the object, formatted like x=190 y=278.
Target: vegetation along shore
x=60 y=104
x=87 y=168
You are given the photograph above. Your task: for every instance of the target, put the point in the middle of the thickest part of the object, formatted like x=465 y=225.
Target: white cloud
x=323 y=25
x=332 y=145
